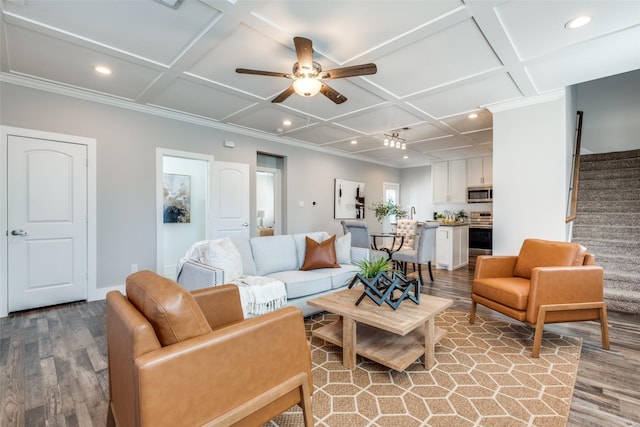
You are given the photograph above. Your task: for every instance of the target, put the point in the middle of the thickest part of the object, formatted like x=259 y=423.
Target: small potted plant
x=461 y=216
x=370 y=269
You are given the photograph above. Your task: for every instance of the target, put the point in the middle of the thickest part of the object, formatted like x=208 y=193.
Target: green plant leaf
x=369 y=269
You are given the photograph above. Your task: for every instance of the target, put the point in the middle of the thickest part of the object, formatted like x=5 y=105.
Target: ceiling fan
x=308 y=76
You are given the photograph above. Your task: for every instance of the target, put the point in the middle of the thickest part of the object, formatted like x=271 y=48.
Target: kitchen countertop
x=455 y=224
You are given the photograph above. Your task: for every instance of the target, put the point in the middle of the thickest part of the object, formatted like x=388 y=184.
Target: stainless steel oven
x=481 y=233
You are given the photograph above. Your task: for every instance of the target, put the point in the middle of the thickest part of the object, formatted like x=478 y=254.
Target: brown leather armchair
x=189 y=358
x=548 y=282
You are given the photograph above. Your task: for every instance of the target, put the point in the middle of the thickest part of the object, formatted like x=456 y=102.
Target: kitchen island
x=452 y=246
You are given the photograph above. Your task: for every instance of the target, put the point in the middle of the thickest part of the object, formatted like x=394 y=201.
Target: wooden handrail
x=573 y=185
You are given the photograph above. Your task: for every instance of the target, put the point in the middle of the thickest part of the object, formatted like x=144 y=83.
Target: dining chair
x=360 y=237
x=408 y=229
x=423 y=252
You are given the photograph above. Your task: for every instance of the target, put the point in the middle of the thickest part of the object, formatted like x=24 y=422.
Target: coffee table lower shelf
x=389 y=349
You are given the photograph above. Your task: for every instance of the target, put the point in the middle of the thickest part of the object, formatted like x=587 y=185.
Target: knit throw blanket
x=260 y=295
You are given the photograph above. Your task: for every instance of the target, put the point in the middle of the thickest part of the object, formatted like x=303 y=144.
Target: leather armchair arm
x=564 y=285
x=494 y=266
x=220 y=304
x=229 y=365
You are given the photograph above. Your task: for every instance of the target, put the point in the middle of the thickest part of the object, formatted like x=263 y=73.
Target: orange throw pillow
x=320 y=255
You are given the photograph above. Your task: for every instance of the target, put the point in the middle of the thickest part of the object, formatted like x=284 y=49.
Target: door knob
x=19 y=233
x=246 y=224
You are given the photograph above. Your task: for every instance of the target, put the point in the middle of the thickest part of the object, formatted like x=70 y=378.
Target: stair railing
x=572 y=201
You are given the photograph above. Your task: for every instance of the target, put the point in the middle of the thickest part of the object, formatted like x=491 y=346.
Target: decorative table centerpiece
x=383 y=285
x=384 y=210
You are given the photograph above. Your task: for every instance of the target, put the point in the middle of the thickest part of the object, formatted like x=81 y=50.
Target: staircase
x=608 y=223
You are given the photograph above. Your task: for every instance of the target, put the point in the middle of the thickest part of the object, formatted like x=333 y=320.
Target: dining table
x=386 y=235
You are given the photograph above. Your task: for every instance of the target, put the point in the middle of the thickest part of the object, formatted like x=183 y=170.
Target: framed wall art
x=176 y=204
x=348 y=199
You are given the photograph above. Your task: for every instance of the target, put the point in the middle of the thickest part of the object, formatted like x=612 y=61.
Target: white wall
x=530 y=151
x=415 y=190
x=126 y=171
x=611 y=110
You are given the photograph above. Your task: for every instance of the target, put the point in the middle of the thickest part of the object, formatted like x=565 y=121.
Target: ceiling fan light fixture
x=307 y=86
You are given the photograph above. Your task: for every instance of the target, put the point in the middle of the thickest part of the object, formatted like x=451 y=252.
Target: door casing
x=90 y=143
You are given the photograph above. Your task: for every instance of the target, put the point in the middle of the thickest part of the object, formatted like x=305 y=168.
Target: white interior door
x=231 y=199
x=47 y=222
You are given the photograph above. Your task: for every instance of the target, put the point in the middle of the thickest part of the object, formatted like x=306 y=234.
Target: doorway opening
x=391 y=191
x=183 y=183
x=269 y=195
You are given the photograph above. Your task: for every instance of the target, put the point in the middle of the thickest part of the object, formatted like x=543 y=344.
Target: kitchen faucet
x=413 y=211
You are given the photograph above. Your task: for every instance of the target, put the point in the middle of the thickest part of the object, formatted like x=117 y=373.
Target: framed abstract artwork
x=176 y=204
x=348 y=199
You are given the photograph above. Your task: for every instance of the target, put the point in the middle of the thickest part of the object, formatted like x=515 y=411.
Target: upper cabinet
x=480 y=171
x=449 y=181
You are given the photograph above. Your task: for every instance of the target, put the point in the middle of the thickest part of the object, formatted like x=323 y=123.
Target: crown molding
x=127 y=104
x=525 y=102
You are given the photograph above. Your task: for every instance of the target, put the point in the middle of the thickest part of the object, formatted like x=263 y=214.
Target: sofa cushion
x=302 y=283
x=343 y=249
x=545 y=253
x=171 y=309
x=224 y=255
x=244 y=247
x=341 y=277
x=274 y=253
x=301 y=243
x=510 y=291
x=320 y=254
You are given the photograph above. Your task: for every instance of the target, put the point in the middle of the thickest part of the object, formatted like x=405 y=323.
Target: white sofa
x=280 y=257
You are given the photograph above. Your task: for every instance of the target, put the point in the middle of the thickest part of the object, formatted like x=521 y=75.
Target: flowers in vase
x=382 y=209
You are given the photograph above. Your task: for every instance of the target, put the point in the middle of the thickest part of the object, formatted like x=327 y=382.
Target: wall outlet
x=134 y=268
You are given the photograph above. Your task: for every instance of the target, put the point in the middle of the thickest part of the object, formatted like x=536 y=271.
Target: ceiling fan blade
x=262 y=73
x=355 y=70
x=283 y=95
x=332 y=94
x=304 y=50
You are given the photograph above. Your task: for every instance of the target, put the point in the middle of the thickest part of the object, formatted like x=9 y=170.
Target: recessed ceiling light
x=405 y=157
x=102 y=69
x=473 y=116
x=354 y=142
x=286 y=122
x=577 y=22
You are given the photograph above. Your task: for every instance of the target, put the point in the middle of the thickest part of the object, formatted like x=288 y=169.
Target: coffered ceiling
x=437 y=61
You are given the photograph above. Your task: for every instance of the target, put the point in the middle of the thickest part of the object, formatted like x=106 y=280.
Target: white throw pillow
x=343 y=249
x=223 y=254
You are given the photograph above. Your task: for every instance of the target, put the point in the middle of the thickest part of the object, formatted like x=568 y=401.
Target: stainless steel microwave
x=479 y=194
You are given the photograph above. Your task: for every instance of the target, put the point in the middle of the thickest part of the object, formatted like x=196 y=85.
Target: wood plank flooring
x=53 y=363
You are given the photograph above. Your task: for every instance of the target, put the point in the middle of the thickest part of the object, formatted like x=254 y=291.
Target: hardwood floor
x=53 y=363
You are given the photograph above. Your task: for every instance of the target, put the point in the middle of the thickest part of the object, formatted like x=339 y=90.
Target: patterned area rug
x=484 y=376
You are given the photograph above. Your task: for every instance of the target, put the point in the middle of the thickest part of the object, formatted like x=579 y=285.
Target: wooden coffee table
x=392 y=338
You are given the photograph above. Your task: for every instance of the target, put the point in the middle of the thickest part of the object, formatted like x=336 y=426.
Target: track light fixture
x=394 y=141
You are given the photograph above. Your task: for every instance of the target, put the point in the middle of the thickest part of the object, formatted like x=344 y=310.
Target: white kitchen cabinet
x=480 y=171
x=449 y=181
x=452 y=247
